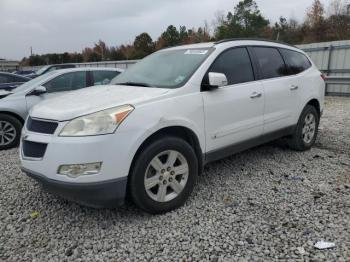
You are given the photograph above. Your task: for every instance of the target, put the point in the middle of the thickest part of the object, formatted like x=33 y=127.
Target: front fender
x=146 y=120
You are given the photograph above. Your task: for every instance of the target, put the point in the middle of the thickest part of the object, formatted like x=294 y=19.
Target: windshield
x=164 y=69
x=32 y=83
x=41 y=70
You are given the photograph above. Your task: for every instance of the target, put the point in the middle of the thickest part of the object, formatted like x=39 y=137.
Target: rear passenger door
x=279 y=88
x=233 y=113
x=298 y=64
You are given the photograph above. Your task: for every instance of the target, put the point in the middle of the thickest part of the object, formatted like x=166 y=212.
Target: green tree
x=171 y=37
x=54 y=58
x=183 y=34
x=35 y=60
x=65 y=58
x=143 y=45
x=116 y=54
x=246 y=21
x=287 y=31
x=76 y=58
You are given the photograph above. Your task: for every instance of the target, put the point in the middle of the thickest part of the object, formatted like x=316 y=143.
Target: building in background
x=8 y=65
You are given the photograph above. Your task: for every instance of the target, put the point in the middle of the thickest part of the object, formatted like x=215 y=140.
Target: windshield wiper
x=133 y=84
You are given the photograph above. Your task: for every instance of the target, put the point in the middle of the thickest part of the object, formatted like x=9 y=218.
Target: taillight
x=324 y=77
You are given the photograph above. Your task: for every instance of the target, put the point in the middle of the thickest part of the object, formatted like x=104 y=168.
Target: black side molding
x=239 y=147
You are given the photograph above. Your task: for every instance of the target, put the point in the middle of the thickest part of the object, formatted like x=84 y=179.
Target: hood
x=4 y=93
x=93 y=99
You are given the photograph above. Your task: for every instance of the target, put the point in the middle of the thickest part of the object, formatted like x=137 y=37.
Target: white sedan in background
x=15 y=104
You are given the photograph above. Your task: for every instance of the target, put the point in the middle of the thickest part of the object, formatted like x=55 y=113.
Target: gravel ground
x=269 y=203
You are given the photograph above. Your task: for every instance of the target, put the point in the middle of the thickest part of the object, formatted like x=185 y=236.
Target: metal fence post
x=330 y=50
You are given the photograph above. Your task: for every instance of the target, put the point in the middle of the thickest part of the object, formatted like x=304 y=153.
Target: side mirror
x=38 y=91
x=217 y=80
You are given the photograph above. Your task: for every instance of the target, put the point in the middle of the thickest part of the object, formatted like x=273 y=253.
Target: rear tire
x=163 y=175
x=306 y=131
x=10 y=131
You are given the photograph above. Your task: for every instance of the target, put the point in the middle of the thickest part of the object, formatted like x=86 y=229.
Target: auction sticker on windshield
x=196 y=52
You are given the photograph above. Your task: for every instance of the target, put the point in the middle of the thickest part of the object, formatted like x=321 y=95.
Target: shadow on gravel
x=130 y=212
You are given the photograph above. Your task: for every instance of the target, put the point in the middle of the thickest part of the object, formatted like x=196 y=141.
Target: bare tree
x=337 y=7
x=219 y=19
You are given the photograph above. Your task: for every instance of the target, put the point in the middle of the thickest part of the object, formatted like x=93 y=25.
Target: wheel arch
x=315 y=103
x=178 y=131
x=18 y=117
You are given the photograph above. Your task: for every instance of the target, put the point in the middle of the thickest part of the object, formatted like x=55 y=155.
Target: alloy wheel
x=7 y=133
x=166 y=176
x=309 y=128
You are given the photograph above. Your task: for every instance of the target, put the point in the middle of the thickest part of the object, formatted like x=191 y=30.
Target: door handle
x=294 y=87
x=255 y=95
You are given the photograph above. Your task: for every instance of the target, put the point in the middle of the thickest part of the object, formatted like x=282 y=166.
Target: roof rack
x=253 y=39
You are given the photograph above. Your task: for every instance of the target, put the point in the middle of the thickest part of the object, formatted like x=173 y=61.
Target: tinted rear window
x=297 y=62
x=270 y=62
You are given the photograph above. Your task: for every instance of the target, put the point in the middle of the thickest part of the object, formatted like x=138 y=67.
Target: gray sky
x=53 y=26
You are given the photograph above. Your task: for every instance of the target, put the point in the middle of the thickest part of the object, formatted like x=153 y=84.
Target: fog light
x=80 y=169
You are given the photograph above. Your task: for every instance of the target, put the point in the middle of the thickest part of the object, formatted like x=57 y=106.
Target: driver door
x=234 y=114
x=59 y=85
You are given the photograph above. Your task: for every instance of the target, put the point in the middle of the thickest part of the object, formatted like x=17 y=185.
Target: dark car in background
x=10 y=81
x=50 y=68
x=24 y=72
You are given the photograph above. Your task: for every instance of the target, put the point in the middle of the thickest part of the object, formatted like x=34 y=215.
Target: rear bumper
x=104 y=194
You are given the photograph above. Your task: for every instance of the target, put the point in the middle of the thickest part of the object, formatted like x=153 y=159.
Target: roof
x=238 y=41
x=253 y=39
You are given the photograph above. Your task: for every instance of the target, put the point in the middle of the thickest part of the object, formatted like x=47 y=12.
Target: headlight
x=99 y=123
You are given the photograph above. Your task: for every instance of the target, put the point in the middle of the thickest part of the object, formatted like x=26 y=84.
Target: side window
x=103 y=77
x=66 y=66
x=270 y=62
x=235 y=64
x=4 y=79
x=51 y=69
x=16 y=79
x=297 y=62
x=67 y=82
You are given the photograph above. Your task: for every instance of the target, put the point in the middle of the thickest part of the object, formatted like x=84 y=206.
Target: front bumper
x=105 y=194
x=105 y=189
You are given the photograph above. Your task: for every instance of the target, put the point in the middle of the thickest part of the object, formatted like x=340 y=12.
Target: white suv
x=149 y=134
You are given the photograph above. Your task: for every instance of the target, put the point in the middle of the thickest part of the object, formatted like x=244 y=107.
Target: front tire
x=163 y=175
x=306 y=131
x=10 y=131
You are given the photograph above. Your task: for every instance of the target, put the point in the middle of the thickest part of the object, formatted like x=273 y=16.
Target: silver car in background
x=15 y=104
